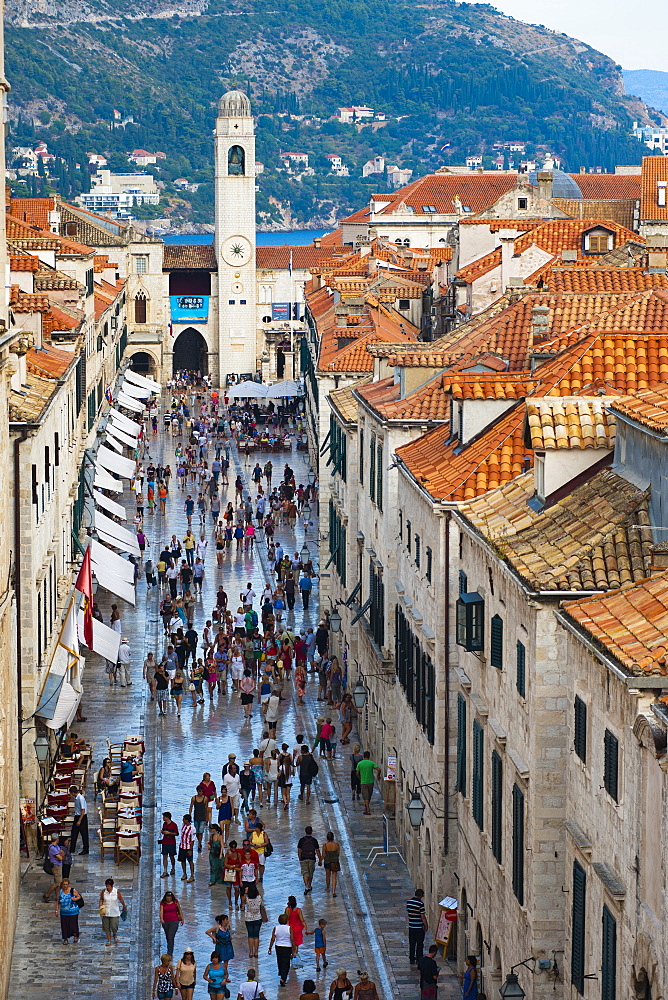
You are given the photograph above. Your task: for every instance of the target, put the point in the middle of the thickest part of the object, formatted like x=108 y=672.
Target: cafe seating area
x=71 y=768
x=120 y=810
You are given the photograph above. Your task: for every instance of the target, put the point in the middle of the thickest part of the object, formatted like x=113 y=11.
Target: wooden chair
x=128 y=847
x=107 y=824
x=107 y=844
x=109 y=805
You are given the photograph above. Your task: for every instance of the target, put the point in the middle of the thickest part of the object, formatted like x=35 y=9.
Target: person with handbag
x=365 y=989
x=53 y=866
x=68 y=904
x=282 y=938
x=341 y=988
x=255 y=915
x=112 y=907
x=221 y=935
x=186 y=974
x=251 y=989
x=232 y=873
x=429 y=971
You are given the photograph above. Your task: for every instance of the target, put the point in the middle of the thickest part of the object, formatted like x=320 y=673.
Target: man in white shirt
x=232 y=782
x=251 y=990
x=202 y=546
x=267 y=744
x=80 y=824
x=124 y=663
x=249 y=595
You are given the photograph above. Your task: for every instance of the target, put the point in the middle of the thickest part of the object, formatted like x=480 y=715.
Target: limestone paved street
x=366 y=923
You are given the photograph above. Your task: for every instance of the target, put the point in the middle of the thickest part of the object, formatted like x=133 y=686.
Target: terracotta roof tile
x=631 y=624
x=609 y=186
x=34 y=211
x=189 y=255
x=332 y=239
x=344 y=401
x=26 y=262
x=622 y=211
x=278 y=258
x=654 y=172
x=503 y=510
x=595 y=280
x=26 y=302
x=556 y=423
x=648 y=407
x=48 y=361
x=476 y=191
x=28 y=403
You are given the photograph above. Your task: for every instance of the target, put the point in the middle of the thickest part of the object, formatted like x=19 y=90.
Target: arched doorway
x=143 y=363
x=190 y=352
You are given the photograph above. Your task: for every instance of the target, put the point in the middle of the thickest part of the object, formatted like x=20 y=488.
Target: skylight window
x=429 y=208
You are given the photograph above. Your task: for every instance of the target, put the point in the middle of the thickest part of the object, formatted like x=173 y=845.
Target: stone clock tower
x=234 y=138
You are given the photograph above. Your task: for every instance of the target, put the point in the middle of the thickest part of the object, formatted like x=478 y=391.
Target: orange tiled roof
x=654 y=169
x=34 y=211
x=27 y=262
x=48 y=361
x=26 y=302
x=449 y=472
x=648 y=407
x=344 y=401
x=356 y=358
x=189 y=256
x=278 y=258
x=555 y=423
x=476 y=191
x=332 y=239
x=521 y=225
x=64 y=319
x=618 y=187
x=595 y=280
x=631 y=624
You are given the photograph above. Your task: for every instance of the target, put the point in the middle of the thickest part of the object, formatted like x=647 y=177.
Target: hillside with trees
x=443 y=73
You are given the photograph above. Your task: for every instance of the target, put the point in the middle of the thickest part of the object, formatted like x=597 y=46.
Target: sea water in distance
x=299 y=238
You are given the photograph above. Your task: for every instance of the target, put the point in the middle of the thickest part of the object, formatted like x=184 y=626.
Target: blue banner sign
x=189 y=308
x=280 y=311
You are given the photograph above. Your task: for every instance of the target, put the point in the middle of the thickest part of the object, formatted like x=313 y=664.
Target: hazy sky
x=634 y=34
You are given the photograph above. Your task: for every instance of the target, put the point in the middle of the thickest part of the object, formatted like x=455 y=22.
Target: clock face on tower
x=236 y=251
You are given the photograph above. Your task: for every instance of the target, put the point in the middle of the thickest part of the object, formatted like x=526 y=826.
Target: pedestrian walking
x=164 y=983
x=366 y=988
x=68 y=902
x=123 y=669
x=367 y=769
x=247 y=689
x=221 y=935
x=331 y=854
x=186 y=844
x=251 y=989
x=355 y=784
x=232 y=873
x=168 y=835
x=216 y=845
x=216 y=977
x=80 y=823
x=199 y=808
x=308 y=770
x=305 y=588
x=171 y=918
x=255 y=915
x=341 y=988
x=429 y=972
x=112 y=905
x=186 y=974
x=320 y=944
x=470 y=981
x=308 y=849
x=417 y=926
x=271 y=714
x=161 y=688
x=53 y=866
x=309 y=991
x=282 y=939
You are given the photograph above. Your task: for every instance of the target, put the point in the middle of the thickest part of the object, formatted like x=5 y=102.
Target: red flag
x=84 y=585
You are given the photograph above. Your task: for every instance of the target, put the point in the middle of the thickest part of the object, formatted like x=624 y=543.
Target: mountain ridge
x=444 y=73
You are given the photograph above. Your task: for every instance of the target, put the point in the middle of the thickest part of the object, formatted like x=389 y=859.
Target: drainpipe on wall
x=446 y=662
x=17 y=585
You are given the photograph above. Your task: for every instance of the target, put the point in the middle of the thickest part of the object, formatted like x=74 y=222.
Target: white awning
x=136 y=391
x=142 y=380
x=127 y=439
x=110 y=505
x=113 y=442
x=109 y=460
x=124 y=539
x=113 y=583
x=117 y=564
x=129 y=426
x=129 y=403
x=105 y=640
x=110 y=540
x=104 y=481
x=247 y=390
x=286 y=388
x=66 y=707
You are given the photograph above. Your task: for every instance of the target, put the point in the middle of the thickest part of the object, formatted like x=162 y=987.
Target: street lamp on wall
x=359 y=695
x=511 y=989
x=42 y=749
x=304 y=553
x=335 y=625
x=415 y=810
x=311 y=477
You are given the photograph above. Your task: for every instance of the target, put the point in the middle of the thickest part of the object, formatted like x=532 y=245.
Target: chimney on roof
x=540 y=323
x=507 y=239
x=661 y=194
x=545 y=180
x=317 y=240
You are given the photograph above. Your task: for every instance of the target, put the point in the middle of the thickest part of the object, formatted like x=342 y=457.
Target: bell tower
x=234 y=138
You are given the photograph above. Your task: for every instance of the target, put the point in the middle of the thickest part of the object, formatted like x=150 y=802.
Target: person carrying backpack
x=308 y=770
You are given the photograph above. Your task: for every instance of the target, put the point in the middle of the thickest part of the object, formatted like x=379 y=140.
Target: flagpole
x=292 y=306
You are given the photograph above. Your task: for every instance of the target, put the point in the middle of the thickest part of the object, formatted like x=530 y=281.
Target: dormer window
x=598 y=240
x=471 y=622
x=522 y=204
x=429 y=208
x=404 y=303
x=539 y=473
x=661 y=193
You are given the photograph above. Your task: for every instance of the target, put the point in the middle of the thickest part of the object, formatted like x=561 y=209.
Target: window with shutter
x=518 y=844
x=379 y=477
x=428 y=554
x=372 y=468
x=417 y=550
x=463 y=582
x=478 y=772
x=496 y=642
x=461 y=744
x=611 y=764
x=521 y=669
x=497 y=804
x=580 y=739
x=609 y=956
x=361 y=459
x=578 y=930
x=408 y=536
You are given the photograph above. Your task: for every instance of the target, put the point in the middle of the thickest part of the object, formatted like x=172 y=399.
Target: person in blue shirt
x=305 y=585
x=470 y=984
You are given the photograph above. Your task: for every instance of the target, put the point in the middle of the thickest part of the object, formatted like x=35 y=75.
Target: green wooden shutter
x=372 y=468
x=518 y=844
x=361 y=457
x=379 y=476
x=461 y=744
x=521 y=669
x=611 y=764
x=463 y=582
x=478 y=772
x=580 y=739
x=496 y=642
x=497 y=804
x=609 y=956
x=578 y=929
x=344 y=456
